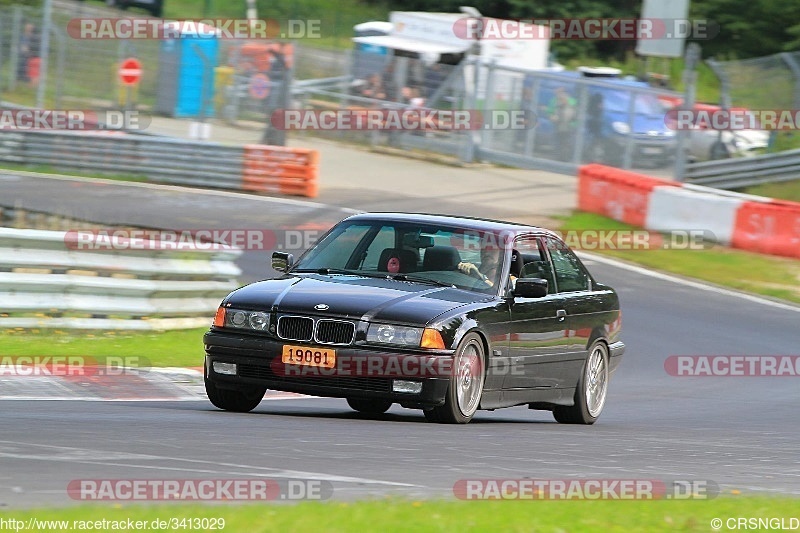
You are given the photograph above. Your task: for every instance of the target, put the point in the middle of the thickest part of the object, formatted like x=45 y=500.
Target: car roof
x=474 y=223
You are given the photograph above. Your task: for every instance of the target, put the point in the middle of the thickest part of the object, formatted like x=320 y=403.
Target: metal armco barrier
x=745 y=171
x=282 y=170
x=48 y=280
x=743 y=221
x=162 y=159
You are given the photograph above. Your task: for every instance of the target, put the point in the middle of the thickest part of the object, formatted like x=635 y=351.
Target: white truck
x=414 y=43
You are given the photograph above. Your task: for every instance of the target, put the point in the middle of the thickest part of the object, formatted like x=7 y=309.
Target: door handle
x=561 y=314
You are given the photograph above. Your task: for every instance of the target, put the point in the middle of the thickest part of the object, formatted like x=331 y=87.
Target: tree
x=750 y=28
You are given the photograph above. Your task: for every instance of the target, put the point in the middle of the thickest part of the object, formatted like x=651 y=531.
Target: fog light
x=410 y=387
x=224 y=368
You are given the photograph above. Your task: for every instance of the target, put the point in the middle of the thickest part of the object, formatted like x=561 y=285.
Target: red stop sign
x=130 y=71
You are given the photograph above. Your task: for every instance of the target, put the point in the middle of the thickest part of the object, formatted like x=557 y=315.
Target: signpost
x=129 y=72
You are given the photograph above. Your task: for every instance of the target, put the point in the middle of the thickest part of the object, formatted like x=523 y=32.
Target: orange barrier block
x=278 y=169
x=616 y=193
x=770 y=227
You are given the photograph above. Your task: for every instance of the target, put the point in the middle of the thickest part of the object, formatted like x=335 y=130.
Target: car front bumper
x=370 y=374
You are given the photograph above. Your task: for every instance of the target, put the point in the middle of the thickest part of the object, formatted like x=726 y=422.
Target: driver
x=490 y=263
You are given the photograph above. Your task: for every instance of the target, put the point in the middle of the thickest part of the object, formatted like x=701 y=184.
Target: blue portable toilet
x=369 y=58
x=186 y=66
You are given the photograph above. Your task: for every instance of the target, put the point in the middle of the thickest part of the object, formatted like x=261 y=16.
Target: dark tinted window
x=570 y=274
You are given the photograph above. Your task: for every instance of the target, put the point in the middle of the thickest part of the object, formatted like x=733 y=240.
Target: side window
x=384 y=239
x=570 y=274
x=534 y=264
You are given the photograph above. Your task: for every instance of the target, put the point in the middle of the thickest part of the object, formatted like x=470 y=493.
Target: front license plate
x=652 y=151
x=308 y=356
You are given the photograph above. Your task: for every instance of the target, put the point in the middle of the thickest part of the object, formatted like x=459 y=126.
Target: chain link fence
x=771 y=82
x=614 y=122
x=83 y=73
x=568 y=119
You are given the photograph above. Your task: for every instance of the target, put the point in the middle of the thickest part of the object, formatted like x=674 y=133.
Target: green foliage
x=34 y=3
x=750 y=28
x=394 y=515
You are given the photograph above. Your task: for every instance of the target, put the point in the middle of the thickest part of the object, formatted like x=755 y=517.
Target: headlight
x=389 y=334
x=254 y=320
x=621 y=127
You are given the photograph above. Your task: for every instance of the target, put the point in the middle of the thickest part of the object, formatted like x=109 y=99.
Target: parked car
x=706 y=143
x=444 y=314
x=154 y=7
x=618 y=112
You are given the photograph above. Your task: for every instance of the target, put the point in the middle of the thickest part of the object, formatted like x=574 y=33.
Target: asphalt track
x=741 y=433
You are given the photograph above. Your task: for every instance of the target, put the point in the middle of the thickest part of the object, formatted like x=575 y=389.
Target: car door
x=537 y=328
x=574 y=286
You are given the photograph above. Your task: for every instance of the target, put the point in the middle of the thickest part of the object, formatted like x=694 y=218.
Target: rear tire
x=591 y=392
x=234 y=400
x=369 y=406
x=466 y=384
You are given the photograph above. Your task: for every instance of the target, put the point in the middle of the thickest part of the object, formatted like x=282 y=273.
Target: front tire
x=719 y=151
x=466 y=384
x=590 y=394
x=234 y=400
x=369 y=407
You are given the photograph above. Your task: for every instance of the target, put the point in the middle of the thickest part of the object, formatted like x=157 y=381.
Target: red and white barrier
x=771 y=227
x=743 y=221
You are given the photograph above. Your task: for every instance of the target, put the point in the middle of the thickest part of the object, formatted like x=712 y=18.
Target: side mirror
x=281 y=261
x=530 y=288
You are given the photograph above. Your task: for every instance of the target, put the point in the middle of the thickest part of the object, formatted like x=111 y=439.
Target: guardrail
x=745 y=171
x=160 y=159
x=744 y=221
x=48 y=281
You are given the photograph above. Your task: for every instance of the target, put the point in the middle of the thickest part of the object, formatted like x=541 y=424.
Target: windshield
x=644 y=104
x=465 y=258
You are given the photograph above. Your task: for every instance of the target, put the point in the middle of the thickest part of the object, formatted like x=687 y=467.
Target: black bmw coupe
x=444 y=314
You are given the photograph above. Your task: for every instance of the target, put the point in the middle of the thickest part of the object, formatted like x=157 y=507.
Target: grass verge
x=788 y=190
x=47 y=169
x=404 y=515
x=771 y=276
x=157 y=348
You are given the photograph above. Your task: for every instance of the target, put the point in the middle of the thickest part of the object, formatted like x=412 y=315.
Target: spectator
x=562 y=111
x=594 y=126
x=374 y=88
x=28 y=54
x=389 y=82
x=434 y=76
x=411 y=96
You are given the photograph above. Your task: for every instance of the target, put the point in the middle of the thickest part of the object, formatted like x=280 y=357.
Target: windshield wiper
x=420 y=279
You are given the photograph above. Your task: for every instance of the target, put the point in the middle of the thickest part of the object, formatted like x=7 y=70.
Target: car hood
x=644 y=123
x=353 y=297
